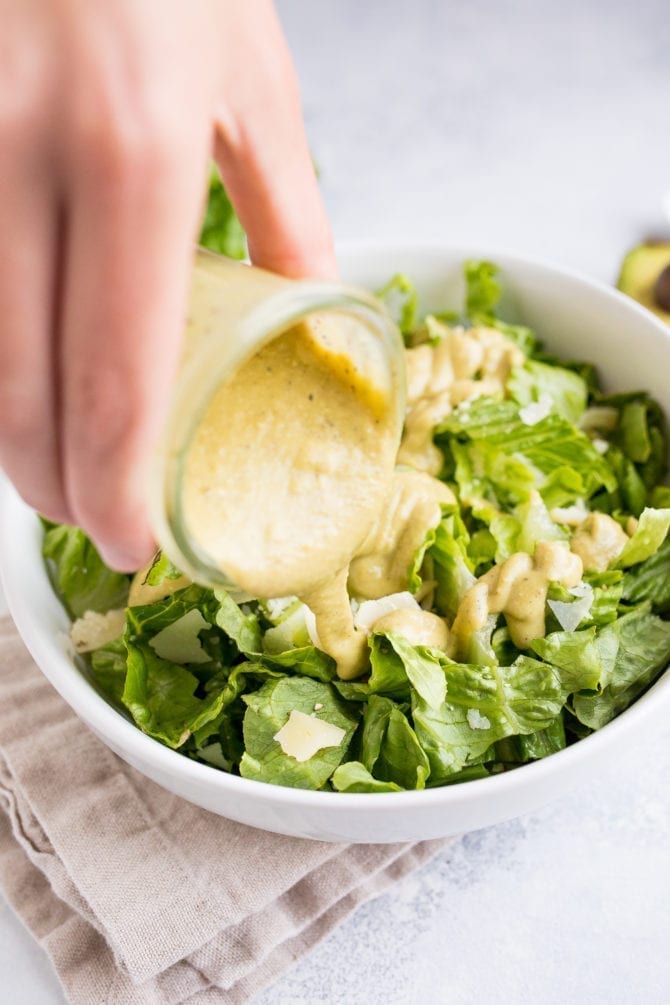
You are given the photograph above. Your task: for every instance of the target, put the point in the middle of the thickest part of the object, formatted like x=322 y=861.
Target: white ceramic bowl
x=576 y=318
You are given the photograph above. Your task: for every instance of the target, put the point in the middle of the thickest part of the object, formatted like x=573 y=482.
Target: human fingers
x=262 y=151
x=28 y=251
x=136 y=164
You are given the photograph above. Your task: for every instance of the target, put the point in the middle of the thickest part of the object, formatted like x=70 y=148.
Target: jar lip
x=202 y=376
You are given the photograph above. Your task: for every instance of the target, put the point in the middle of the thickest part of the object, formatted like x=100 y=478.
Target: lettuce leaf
x=161 y=696
x=161 y=568
x=548 y=445
x=241 y=627
x=641 y=644
x=482 y=289
x=650 y=580
x=221 y=230
x=390 y=749
x=533 y=746
x=401 y=300
x=483 y=292
x=78 y=575
x=566 y=390
x=108 y=670
x=268 y=710
x=484 y=704
x=650 y=534
x=608 y=590
x=577 y=657
x=452 y=567
x=399 y=668
x=640 y=435
x=355 y=777
x=308 y=661
x=487 y=472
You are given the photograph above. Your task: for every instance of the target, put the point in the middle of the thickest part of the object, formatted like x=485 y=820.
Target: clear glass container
x=235 y=310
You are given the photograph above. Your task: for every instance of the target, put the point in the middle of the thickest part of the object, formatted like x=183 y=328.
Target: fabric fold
x=140 y=897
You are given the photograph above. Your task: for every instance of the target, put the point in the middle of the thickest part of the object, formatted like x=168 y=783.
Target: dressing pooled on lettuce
x=511 y=598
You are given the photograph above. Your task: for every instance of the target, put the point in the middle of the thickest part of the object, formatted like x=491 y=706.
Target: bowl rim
x=59 y=668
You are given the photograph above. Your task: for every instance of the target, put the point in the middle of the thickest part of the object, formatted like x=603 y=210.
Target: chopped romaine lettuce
x=400 y=298
x=78 y=574
x=269 y=709
x=245 y=688
x=221 y=230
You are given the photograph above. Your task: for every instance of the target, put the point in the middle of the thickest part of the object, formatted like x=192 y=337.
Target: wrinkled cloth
x=140 y=897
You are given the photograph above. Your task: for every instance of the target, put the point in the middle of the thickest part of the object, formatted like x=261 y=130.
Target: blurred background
x=531 y=125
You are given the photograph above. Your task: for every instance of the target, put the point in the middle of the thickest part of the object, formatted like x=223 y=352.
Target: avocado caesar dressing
x=289 y=466
x=287 y=473
x=493 y=593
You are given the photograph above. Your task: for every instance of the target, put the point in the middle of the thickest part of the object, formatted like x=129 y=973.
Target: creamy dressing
x=411 y=508
x=381 y=566
x=419 y=627
x=290 y=487
x=517 y=589
x=289 y=466
x=598 y=540
x=464 y=365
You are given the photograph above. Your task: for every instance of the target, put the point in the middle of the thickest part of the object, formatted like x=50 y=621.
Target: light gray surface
x=540 y=127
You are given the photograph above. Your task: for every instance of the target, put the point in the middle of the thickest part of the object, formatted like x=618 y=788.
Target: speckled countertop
x=541 y=127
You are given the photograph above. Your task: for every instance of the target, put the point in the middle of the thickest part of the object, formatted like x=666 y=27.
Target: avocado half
x=645 y=276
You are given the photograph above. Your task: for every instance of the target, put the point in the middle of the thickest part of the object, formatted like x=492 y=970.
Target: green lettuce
x=161 y=569
x=400 y=298
x=650 y=580
x=565 y=390
x=268 y=710
x=355 y=777
x=484 y=704
x=389 y=746
x=240 y=626
x=79 y=576
x=221 y=230
x=108 y=670
x=452 y=566
x=483 y=292
x=549 y=445
x=516 y=750
x=161 y=696
x=640 y=648
x=577 y=656
x=649 y=535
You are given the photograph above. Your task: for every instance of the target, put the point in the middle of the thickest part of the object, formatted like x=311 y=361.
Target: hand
x=108 y=114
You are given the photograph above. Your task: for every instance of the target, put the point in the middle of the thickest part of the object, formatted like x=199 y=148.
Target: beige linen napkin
x=140 y=897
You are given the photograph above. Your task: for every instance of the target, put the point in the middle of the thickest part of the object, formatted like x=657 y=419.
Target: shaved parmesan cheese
x=371 y=611
x=310 y=625
x=303 y=735
x=602 y=446
x=293 y=631
x=93 y=630
x=535 y=411
x=179 y=641
x=572 y=515
x=570 y=615
x=278 y=609
x=476 y=720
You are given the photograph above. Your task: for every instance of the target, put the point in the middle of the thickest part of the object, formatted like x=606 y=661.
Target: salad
x=547 y=572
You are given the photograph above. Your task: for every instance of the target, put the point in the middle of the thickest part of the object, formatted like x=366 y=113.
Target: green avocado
x=645 y=276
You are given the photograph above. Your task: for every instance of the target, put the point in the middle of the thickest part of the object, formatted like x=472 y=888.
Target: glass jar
x=235 y=312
